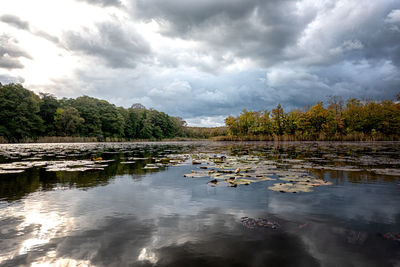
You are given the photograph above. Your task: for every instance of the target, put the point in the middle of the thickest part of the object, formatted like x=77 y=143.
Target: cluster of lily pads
x=167 y=161
x=16 y=158
x=65 y=150
x=244 y=170
x=251 y=162
x=56 y=165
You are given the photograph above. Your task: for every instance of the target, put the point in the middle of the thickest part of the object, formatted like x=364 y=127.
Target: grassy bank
x=78 y=139
x=356 y=137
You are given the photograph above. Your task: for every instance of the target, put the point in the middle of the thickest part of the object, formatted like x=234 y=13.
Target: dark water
x=125 y=215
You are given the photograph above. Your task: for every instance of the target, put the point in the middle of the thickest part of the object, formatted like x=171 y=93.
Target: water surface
x=125 y=215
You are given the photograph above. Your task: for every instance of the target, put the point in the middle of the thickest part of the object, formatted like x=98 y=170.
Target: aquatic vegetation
x=244 y=170
x=10 y=171
x=259 y=223
x=392 y=236
x=151 y=167
x=197 y=174
x=387 y=171
x=219 y=164
x=67 y=165
x=232 y=181
x=291 y=187
x=356 y=237
x=73 y=165
x=135 y=158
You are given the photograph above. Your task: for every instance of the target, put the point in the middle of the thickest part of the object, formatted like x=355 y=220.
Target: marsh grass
x=357 y=137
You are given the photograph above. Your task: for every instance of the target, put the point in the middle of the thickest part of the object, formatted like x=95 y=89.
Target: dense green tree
x=88 y=108
x=278 y=120
x=25 y=115
x=48 y=107
x=112 y=122
x=19 y=116
x=67 y=121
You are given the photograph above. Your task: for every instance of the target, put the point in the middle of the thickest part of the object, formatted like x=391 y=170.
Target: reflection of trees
x=342 y=177
x=16 y=186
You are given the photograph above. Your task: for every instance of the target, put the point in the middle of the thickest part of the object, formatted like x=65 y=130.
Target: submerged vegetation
x=354 y=121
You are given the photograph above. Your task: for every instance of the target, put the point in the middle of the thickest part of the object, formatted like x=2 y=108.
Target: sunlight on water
x=126 y=214
x=46 y=223
x=62 y=263
x=147 y=255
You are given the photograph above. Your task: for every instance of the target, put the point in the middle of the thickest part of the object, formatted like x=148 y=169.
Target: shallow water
x=125 y=215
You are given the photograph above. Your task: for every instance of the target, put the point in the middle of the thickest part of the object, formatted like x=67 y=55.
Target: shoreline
x=174 y=141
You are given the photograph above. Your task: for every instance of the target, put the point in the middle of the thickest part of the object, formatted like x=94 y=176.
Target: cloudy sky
x=203 y=60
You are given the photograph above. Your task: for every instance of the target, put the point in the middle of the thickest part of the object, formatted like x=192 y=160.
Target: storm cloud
x=118 y=47
x=272 y=32
x=260 y=30
x=205 y=60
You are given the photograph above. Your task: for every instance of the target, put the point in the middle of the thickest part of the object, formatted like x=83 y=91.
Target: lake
x=200 y=204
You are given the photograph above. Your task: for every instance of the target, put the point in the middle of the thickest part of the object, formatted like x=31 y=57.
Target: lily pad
x=290 y=187
x=151 y=167
x=10 y=171
x=197 y=174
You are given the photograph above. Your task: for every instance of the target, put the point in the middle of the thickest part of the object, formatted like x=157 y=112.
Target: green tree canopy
x=67 y=121
x=19 y=113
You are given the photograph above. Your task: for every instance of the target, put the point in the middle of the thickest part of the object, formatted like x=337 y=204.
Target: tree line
x=25 y=115
x=339 y=120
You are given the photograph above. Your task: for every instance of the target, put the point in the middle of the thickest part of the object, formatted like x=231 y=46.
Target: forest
x=353 y=120
x=26 y=116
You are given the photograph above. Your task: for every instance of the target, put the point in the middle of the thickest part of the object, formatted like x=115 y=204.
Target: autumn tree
x=278 y=120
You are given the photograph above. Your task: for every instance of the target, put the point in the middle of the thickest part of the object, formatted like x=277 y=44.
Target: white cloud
x=393 y=16
x=204 y=121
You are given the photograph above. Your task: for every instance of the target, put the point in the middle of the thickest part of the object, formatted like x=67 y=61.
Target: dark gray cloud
x=104 y=3
x=119 y=47
x=10 y=53
x=260 y=30
x=306 y=52
x=269 y=32
x=15 y=21
x=186 y=16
